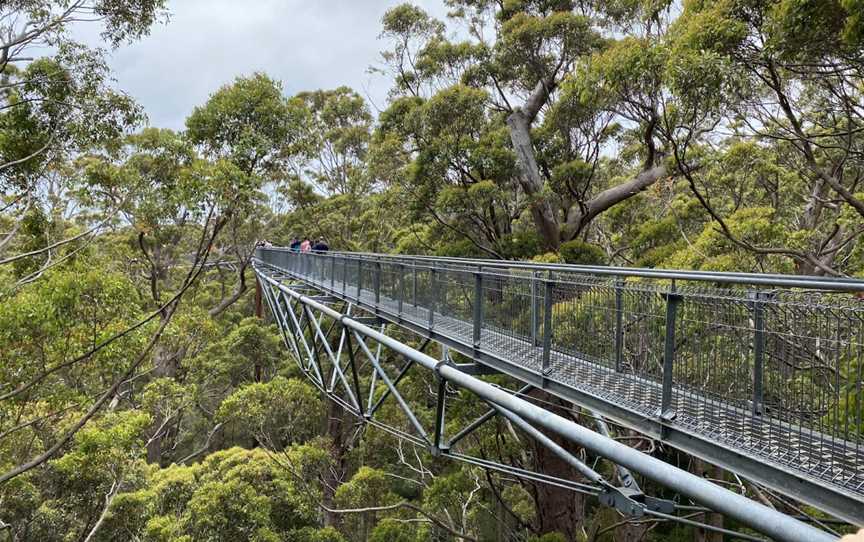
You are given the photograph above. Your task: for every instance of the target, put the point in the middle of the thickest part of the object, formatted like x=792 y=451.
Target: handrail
x=718 y=277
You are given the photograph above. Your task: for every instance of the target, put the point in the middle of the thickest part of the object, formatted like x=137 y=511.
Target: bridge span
x=759 y=374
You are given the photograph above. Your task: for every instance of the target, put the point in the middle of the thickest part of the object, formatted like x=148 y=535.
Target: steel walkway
x=760 y=374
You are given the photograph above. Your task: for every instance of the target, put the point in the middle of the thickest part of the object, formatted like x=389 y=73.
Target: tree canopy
x=145 y=395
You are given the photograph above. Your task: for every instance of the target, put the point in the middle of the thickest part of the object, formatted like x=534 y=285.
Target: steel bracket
x=633 y=503
x=476 y=369
x=627 y=501
x=370 y=321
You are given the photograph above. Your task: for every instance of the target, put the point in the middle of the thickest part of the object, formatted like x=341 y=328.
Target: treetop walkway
x=759 y=374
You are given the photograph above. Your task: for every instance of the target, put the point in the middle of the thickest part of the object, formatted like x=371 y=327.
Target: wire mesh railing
x=768 y=364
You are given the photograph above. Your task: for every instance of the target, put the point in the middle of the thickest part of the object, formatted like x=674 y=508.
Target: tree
x=248 y=124
x=54 y=107
x=521 y=54
x=785 y=78
x=331 y=149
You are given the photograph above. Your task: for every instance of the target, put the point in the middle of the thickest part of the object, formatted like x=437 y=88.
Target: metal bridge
x=759 y=374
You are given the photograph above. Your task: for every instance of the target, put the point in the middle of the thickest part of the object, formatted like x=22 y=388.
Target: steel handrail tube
x=838 y=284
x=753 y=514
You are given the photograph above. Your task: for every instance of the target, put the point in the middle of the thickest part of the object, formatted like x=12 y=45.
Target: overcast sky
x=307 y=44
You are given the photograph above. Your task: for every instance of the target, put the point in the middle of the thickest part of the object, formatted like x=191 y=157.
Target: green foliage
x=580 y=252
x=233 y=494
x=279 y=412
x=332 y=146
x=56 y=107
x=713 y=250
x=391 y=530
x=368 y=488
x=247 y=123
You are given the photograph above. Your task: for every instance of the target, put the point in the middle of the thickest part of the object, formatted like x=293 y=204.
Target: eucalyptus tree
x=330 y=151
x=521 y=55
x=249 y=125
x=57 y=100
x=784 y=79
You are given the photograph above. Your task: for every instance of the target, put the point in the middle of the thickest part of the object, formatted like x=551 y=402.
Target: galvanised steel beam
x=755 y=515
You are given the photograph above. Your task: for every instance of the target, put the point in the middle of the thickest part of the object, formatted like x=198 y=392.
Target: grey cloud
x=306 y=44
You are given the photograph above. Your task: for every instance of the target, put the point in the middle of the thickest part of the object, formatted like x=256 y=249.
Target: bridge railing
x=770 y=364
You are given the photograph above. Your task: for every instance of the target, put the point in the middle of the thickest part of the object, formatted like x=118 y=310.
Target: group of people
x=307 y=246
x=298 y=246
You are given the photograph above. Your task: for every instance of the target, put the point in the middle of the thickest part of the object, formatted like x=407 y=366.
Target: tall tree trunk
x=545 y=218
x=707 y=470
x=165 y=365
x=338 y=451
x=558 y=509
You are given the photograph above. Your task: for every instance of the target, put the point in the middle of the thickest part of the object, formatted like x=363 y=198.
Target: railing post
x=619 y=323
x=414 y=280
x=332 y=272
x=535 y=309
x=758 y=351
x=359 y=277
x=478 y=306
x=377 y=284
x=433 y=295
x=547 y=326
x=672 y=301
x=400 y=301
x=344 y=275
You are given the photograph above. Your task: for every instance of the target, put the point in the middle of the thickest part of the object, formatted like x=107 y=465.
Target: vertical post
x=547 y=326
x=440 y=410
x=758 y=351
x=401 y=296
x=414 y=286
x=619 y=323
x=535 y=311
x=332 y=272
x=359 y=277
x=377 y=284
x=478 y=306
x=433 y=295
x=672 y=300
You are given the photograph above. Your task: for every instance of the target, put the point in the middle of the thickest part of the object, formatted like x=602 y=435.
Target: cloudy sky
x=307 y=44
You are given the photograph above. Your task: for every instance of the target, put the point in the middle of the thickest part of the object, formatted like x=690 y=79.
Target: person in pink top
x=305 y=246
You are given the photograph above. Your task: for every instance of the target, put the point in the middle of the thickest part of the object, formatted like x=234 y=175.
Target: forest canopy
x=143 y=397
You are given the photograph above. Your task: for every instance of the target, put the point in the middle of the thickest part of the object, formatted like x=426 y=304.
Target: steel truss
x=332 y=346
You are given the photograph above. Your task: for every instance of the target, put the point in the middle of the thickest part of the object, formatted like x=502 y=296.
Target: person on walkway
x=295 y=245
x=305 y=246
x=320 y=246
